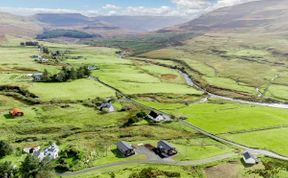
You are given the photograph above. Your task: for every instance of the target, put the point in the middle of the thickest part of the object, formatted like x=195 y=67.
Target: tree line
x=66 y=74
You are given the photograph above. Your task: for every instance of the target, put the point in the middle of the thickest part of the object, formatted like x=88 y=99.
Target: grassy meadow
x=233 y=62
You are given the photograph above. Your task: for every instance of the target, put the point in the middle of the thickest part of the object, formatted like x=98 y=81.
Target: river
x=190 y=82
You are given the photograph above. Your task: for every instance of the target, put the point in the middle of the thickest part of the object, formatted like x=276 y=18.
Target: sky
x=189 y=8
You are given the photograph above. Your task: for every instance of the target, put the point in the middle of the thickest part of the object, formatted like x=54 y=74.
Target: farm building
x=52 y=151
x=125 y=149
x=165 y=148
x=32 y=150
x=37 y=77
x=16 y=112
x=158 y=117
x=107 y=106
x=249 y=158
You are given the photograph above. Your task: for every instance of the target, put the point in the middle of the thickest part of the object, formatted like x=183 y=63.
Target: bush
x=154 y=173
x=7 y=170
x=5 y=149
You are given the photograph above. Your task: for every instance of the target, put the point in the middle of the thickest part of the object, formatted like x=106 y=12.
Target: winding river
x=190 y=82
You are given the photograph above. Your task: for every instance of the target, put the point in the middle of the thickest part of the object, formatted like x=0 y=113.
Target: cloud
x=111 y=7
x=190 y=8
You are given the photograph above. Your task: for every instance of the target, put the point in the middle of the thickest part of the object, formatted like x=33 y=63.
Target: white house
x=249 y=158
x=52 y=151
x=158 y=117
x=108 y=106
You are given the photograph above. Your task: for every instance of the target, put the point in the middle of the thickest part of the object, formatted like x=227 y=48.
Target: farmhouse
x=158 y=117
x=52 y=151
x=125 y=149
x=107 y=105
x=165 y=148
x=41 y=60
x=37 y=77
x=249 y=158
x=16 y=112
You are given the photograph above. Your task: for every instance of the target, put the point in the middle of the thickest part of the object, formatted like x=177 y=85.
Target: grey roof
x=106 y=105
x=164 y=144
x=248 y=155
x=124 y=146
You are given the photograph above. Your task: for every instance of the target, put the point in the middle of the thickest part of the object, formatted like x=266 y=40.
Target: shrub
x=5 y=149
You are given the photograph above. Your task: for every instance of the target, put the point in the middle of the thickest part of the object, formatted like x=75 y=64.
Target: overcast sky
x=116 y=7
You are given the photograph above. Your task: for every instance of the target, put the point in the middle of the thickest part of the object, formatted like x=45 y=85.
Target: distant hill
x=142 y=23
x=15 y=25
x=123 y=24
x=62 y=19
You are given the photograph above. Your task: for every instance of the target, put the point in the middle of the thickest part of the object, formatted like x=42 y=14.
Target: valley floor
x=63 y=113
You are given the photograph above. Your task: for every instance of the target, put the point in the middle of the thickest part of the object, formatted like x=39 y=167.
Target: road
x=165 y=162
x=206 y=133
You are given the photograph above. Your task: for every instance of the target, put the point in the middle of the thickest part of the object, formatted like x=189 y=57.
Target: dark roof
x=248 y=155
x=164 y=144
x=124 y=146
x=153 y=114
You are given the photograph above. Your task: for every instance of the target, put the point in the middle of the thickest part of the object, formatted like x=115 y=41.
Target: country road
x=206 y=133
x=164 y=162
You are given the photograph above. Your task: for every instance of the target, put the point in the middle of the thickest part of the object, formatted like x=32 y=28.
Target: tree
x=73 y=74
x=5 y=149
x=7 y=170
x=31 y=167
x=46 y=75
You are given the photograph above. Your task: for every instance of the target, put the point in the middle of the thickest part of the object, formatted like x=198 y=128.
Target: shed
x=249 y=158
x=158 y=117
x=164 y=147
x=16 y=112
x=108 y=106
x=37 y=76
x=125 y=148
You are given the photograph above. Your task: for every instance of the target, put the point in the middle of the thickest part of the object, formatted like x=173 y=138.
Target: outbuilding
x=158 y=117
x=249 y=158
x=125 y=149
x=166 y=148
x=16 y=112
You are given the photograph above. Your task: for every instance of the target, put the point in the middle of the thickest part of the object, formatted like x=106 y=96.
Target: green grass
x=200 y=148
x=230 y=117
x=75 y=90
x=274 y=140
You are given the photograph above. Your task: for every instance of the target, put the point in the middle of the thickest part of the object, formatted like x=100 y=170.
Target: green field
x=274 y=140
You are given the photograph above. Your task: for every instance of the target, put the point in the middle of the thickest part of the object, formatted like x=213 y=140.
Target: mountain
x=142 y=23
x=15 y=25
x=108 y=25
x=62 y=19
x=263 y=15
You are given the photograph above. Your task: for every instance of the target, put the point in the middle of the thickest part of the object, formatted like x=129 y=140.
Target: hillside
x=240 y=52
x=15 y=25
x=264 y=15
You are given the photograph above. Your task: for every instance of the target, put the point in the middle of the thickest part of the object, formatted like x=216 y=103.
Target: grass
x=200 y=148
x=274 y=140
x=75 y=90
x=231 y=117
x=233 y=61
